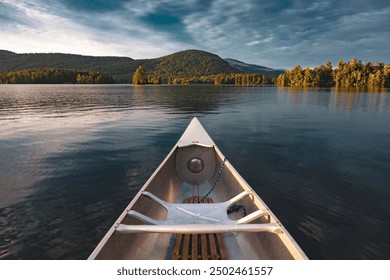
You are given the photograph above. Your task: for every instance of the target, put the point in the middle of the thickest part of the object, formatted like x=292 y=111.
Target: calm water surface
x=72 y=157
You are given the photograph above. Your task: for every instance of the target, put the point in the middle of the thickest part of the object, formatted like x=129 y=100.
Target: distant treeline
x=347 y=74
x=183 y=64
x=226 y=79
x=141 y=77
x=54 y=76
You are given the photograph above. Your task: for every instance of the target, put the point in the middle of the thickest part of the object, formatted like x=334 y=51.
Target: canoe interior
x=166 y=184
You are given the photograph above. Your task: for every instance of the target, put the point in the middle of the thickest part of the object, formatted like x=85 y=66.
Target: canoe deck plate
x=199 y=246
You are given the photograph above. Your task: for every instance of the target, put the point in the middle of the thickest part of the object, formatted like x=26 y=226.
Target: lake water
x=73 y=156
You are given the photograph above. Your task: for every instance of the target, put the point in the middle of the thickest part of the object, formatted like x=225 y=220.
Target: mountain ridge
x=253 y=68
x=184 y=64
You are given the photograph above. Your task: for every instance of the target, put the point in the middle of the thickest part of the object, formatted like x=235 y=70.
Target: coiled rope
x=237 y=207
x=216 y=181
x=232 y=208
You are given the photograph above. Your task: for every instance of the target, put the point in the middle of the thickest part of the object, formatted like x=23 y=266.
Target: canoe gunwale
x=289 y=241
x=130 y=206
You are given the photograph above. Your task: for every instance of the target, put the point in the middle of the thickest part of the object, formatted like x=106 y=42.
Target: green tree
x=308 y=78
x=140 y=77
x=324 y=75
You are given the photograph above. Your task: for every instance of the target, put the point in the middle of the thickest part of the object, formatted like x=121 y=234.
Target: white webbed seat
x=198 y=218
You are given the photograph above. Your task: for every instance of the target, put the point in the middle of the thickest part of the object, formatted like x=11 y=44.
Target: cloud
x=253 y=43
x=280 y=33
x=93 y=6
x=53 y=28
x=41 y=28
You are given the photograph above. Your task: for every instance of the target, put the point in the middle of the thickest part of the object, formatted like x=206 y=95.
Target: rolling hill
x=189 y=63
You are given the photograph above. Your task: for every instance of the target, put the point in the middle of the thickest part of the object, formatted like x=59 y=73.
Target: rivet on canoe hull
x=195 y=165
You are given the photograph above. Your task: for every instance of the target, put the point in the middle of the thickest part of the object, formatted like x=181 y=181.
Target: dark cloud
x=183 y=8
x=279 y=33
x=168 y=23
x=9 y=16
x=161 y=20
x=310 y=33
x=94 y=5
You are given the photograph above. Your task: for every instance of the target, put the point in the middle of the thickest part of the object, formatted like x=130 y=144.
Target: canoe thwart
x=199 y=228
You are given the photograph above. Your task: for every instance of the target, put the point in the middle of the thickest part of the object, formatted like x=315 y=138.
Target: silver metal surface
x=199 y=228
x=195 y=165
x=196 y=154
x=172 y=182
x=195 y=134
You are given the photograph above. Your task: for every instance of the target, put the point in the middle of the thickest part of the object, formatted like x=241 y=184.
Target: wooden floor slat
x=222 y=249
x=176 y=249
x=204 y=247
x=199 y=246
x=194 y=251
x=186 y=246
x=213 y=247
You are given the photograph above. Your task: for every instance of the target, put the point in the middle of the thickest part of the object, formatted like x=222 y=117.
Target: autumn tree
x=54 y=76
x=140 y=77
x=154 y=79
x=323 y=75
x=353 y=73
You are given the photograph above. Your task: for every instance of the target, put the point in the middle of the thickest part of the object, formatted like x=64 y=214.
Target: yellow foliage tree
x=140 y=77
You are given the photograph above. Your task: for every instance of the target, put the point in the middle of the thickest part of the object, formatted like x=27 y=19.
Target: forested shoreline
x=54 y=76
x=141 y=77
x=354 y=73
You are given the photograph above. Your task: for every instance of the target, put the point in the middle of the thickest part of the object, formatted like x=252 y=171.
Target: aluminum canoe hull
x=147 y=227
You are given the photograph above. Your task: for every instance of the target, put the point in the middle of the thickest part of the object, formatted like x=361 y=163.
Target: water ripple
x=72 y=157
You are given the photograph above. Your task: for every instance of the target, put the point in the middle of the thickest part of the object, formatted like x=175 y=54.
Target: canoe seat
x=197 y=213
x=198 y=227
x=199 y=246
x=198 y=218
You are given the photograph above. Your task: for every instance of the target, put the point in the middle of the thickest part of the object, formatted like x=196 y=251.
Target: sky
x=274 y=33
